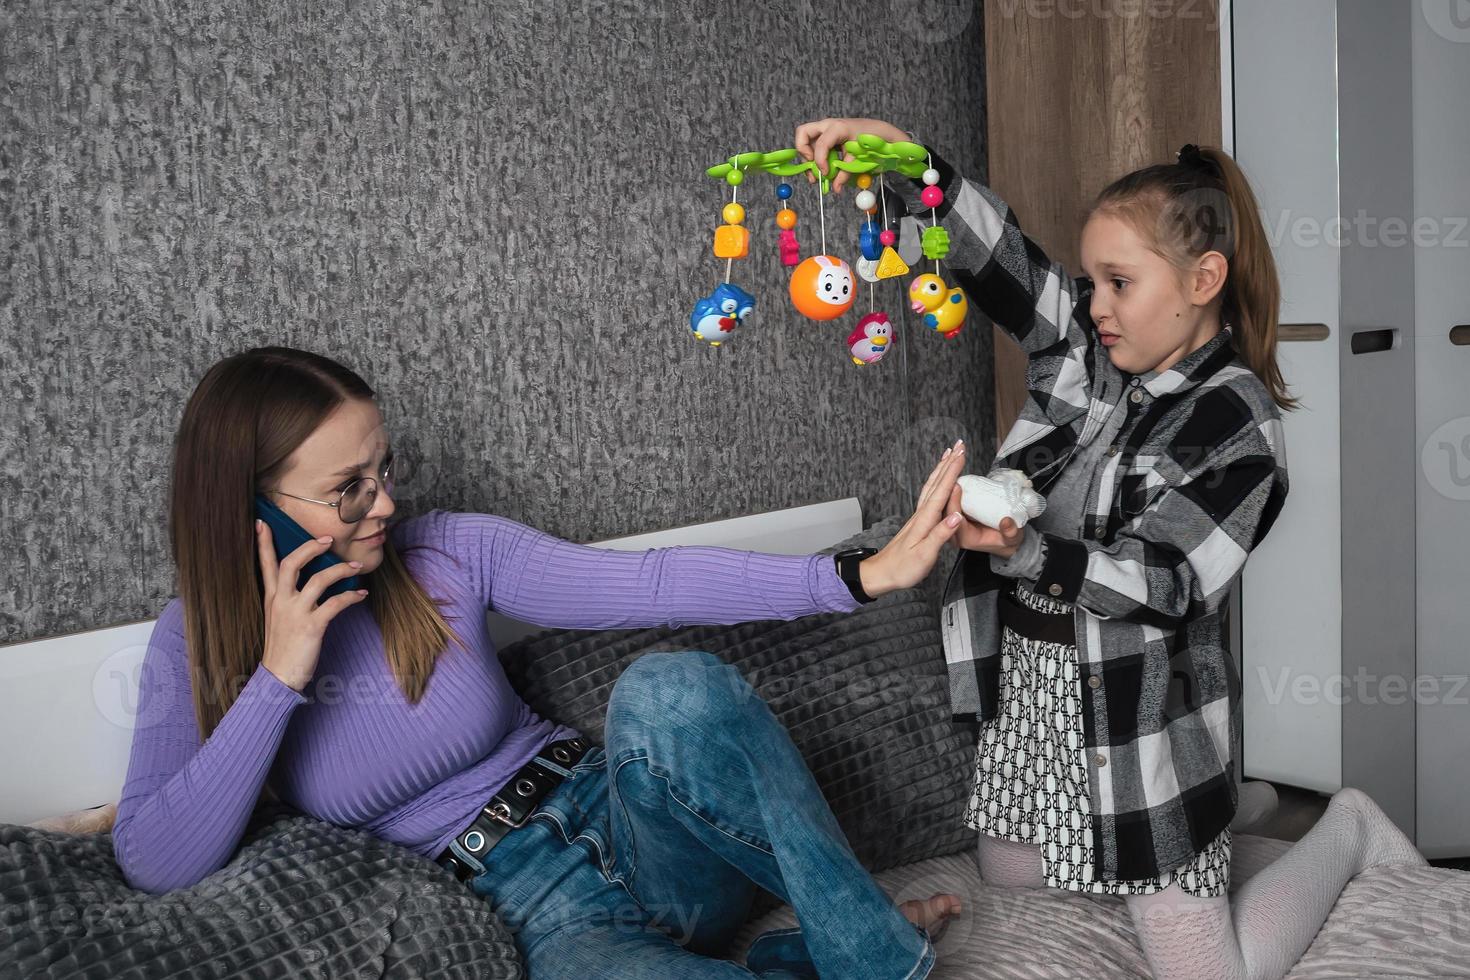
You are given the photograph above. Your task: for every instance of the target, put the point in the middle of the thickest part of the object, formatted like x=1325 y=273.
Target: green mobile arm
x=870 y=154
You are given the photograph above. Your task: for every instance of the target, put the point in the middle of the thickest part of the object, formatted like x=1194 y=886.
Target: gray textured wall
x=495 y=212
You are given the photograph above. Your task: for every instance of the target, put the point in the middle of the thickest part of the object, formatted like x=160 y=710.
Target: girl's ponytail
x=1201 y=203
x=1253 y=289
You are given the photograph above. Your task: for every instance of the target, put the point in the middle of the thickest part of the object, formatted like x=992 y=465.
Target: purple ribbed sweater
x=355 y=753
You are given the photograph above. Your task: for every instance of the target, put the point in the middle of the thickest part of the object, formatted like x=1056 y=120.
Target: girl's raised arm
x=1005 y=274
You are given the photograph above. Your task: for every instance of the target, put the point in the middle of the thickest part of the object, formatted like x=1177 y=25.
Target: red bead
x=932 y=196
x=887 y=237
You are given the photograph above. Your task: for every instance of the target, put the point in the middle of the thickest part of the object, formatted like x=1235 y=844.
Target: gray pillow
x=863 y=695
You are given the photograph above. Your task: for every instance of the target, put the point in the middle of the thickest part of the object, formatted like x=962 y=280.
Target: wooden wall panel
x=1079 y=94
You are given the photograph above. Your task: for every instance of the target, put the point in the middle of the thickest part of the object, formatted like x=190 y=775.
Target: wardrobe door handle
x=1302 y=331
x=1460 y=334
x=1373 y=340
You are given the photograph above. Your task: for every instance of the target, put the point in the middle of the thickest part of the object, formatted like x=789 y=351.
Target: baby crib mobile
x=822 y=286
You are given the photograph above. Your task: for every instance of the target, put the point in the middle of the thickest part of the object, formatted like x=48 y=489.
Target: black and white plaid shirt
x=1197 y=479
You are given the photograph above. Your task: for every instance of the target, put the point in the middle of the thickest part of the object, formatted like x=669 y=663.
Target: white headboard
x=67 y=702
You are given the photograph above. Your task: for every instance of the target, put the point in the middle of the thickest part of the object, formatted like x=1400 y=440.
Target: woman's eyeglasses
x=356 y=499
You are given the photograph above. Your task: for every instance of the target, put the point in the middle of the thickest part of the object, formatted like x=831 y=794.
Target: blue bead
x=783 y=191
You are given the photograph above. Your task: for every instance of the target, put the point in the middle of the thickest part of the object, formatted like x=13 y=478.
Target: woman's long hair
x=1201 y=203
x=242 y=423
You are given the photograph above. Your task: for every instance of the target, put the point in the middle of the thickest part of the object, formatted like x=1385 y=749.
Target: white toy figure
x=1004 y=493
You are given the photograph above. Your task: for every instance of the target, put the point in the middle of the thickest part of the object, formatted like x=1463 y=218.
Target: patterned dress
x=1030 y=780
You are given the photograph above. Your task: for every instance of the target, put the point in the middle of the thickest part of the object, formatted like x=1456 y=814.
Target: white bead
x=864 y=200
x=931 y=176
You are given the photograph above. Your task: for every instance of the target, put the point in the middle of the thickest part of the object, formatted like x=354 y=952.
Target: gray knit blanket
x=300 y=898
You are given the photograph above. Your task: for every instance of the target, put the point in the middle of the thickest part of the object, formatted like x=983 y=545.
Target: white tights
x=1260 y=931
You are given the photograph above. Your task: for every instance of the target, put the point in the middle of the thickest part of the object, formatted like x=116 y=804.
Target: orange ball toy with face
x=822 y=287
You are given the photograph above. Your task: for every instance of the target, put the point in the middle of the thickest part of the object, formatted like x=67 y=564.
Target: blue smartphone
x=288 y=536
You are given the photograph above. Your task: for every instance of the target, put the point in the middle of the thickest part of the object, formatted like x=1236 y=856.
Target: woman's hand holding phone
x=294 y=623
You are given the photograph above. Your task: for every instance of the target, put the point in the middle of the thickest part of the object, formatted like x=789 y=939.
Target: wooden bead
x=733 y=214
x=785 y=219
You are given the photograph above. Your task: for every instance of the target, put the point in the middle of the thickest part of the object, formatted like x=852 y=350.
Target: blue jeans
x=644 y=862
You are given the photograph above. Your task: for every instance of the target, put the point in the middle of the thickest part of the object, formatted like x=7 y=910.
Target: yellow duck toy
x=944 y=308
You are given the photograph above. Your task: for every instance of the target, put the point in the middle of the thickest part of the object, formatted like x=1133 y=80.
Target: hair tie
x=1189 y=156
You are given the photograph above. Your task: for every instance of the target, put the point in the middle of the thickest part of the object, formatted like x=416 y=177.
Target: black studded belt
x=512 y=805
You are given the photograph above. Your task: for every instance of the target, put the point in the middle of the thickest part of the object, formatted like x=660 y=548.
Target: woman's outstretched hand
x=815 y=139
x=910 y=556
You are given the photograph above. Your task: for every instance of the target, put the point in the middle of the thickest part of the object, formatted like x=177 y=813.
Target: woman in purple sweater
x=386 y=708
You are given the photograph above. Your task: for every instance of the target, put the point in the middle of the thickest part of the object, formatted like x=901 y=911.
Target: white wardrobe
x=1352 y=119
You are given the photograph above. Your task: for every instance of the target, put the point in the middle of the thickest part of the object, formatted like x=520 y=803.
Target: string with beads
x=786 y=222
x=868 y=231
x=734 y=214
x=874 y=335
x=717 y=315
x=936 y=238
x=941 y=306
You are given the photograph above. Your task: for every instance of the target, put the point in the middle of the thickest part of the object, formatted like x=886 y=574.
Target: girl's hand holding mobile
x=815 y=139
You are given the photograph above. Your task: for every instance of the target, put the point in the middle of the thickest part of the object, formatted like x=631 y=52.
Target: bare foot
x=932 y=914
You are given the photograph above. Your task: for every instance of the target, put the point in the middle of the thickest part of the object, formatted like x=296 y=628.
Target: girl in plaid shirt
x=1115 y=755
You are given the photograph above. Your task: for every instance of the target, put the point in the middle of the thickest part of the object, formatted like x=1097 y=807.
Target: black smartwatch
x=847 y=570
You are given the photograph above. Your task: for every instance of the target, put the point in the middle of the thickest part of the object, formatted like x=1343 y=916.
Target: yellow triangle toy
x=890 y=264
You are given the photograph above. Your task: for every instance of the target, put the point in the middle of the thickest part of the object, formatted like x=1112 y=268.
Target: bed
x=301 y=897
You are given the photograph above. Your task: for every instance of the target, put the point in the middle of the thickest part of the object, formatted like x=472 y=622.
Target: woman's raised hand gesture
x=910 y=556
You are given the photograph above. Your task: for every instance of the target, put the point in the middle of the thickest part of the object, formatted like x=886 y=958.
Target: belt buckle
x=501 y=811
